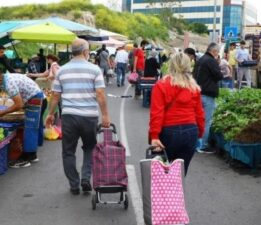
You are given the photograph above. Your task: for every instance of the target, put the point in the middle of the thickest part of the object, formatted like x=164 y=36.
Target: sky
x=256 y=3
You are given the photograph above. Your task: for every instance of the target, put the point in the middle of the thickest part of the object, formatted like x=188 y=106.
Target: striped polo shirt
x=77 y=82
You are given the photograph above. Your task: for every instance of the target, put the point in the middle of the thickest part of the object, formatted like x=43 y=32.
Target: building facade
x=228 y=13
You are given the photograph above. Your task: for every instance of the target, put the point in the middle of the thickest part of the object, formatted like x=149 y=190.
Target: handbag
x=133 y=78
x=162 y=192
x=248 y=63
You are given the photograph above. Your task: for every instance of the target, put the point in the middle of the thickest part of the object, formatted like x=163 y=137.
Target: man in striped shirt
x=80 y=86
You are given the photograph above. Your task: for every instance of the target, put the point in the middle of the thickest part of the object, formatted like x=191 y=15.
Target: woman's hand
x=157 y=143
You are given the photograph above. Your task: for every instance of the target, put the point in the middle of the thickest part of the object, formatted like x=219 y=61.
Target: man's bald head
x=79 y=46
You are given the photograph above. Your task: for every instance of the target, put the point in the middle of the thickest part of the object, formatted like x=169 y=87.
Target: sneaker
x=86 y=186
x=20 y=163
x=31 y=157
x=34 y=159
x=206 y=150
x=75 y=191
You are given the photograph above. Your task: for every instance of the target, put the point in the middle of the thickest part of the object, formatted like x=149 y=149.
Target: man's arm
x=101 y=99
x=53 y=103
x=215 y=71
x=135 y=63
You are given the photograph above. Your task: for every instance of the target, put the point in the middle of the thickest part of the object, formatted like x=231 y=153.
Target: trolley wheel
x=126 y=202
x=94 y=201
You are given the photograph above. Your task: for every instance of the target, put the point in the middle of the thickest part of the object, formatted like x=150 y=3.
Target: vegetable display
x=238 y=115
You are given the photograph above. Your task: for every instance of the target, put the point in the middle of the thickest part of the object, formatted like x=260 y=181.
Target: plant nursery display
x=238 y=115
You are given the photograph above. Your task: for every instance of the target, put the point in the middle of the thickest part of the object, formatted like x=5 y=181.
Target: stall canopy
x=46 y=32
x=94 y=37
x=111 y=42
x=113 y=35
x=74 y=27
x=7 y=26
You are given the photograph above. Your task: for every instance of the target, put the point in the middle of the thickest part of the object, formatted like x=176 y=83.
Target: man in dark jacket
x=207 y=74
x=4 y=61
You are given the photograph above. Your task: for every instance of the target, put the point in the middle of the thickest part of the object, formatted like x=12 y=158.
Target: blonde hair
x=179 y=72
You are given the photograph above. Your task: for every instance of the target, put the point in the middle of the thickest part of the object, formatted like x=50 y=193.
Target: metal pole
x=215 y=21
x=243 y=20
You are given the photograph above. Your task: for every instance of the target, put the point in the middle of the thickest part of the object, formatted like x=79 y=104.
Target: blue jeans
x=226 y=83
x=121 y=68
x=180 y=142
x=209 y=107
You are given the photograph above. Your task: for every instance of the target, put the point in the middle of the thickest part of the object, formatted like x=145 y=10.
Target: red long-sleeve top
x=172 y=105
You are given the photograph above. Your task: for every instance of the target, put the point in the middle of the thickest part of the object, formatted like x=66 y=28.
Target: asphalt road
x=216 y=194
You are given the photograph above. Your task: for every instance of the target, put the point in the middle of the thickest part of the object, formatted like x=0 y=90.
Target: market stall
x=8 y=132
x=236 y=126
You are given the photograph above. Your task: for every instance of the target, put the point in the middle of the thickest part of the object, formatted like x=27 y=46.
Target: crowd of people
x=182 y=99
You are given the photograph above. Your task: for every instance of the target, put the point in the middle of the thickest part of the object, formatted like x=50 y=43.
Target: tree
x=198 y=28
x=166 y=8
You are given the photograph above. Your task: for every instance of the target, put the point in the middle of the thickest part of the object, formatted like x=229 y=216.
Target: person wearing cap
x=80 y=86
x=26 y=94
x=4 y=61
x=121 y=60
x=242 y=55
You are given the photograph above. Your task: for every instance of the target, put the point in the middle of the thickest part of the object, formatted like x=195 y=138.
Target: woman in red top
x=176 y=113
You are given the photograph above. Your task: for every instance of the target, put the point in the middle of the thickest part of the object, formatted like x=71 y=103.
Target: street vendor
x=26 y=95
x=50 y=73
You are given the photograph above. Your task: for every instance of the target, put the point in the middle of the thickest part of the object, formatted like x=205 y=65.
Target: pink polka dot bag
x=163 y=195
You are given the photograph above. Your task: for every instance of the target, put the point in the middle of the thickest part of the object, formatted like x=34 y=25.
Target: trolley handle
x=150 y=153
x=100 y=129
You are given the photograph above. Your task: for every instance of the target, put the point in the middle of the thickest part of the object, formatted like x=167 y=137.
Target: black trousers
x=73 y=128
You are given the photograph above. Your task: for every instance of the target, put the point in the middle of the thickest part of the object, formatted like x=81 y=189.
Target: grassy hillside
x=153 y=27
x=131 y=25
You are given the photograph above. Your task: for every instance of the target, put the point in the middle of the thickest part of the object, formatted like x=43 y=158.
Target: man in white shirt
x=121 y=63
x=242 y=55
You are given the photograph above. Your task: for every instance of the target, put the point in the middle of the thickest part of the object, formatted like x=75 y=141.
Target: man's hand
x=106 y=121
x=49 y=121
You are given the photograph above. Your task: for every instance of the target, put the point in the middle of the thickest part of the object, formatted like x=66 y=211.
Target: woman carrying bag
x=176 y=113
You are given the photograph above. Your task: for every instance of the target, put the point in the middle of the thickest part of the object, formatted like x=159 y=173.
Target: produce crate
x=4 y=152
x=3 y=159
x=220 y=140
x=249 y=154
